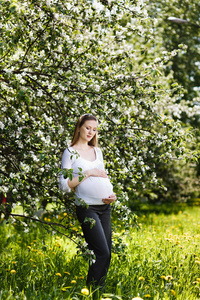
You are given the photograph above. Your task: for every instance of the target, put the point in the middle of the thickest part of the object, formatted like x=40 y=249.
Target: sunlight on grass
x=162 y=262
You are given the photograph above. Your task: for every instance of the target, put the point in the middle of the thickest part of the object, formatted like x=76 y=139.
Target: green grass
x=162 y=262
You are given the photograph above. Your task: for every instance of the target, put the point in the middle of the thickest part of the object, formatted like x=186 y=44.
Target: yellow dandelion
x=29 y=247
x=173 y=292
x=67 y=273
x=163 y=277
x=85 y=291
x=58 y=274
x=65 y=214
x=198 y=279
x=73 y=281
x=147 y=296
x=34 y=266
x=14 y=262
x=81 y=277
x=141 y=278
x=168 y=277
x=13 y=272
x=54 y=252
x=63 y=289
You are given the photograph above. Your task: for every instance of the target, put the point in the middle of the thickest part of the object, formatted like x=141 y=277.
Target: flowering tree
x=185 y=66
x=61 y=59
x=182 y=180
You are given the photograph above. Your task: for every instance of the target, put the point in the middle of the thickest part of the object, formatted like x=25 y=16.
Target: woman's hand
x=96 y=173
x=110 y=199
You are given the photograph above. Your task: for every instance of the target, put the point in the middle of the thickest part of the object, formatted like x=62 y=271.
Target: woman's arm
x=93 y=172
x=67 y=161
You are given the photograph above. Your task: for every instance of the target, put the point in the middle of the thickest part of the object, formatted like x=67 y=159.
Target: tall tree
x=184 y=67
x=61 y=59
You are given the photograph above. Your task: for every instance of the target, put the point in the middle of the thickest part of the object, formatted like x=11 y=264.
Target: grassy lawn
x=162 y=261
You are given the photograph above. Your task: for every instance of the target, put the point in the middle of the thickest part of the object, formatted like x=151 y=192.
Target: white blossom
x=2 y=125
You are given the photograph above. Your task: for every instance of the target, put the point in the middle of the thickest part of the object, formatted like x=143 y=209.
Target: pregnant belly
x=95 y=187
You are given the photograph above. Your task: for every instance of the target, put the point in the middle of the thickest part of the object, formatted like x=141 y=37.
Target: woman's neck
x=82 y=146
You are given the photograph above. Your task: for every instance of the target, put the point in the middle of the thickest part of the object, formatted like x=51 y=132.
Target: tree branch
x=47 y=223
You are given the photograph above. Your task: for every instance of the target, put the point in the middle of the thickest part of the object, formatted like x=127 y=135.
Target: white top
x=92 y=189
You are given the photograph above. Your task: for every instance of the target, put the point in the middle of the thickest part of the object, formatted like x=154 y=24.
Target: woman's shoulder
x=98 y=149
x=70 y=152
x=99 y=152
x=70 y=149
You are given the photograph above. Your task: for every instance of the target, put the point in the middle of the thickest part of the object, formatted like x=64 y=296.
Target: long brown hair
x=81 y=121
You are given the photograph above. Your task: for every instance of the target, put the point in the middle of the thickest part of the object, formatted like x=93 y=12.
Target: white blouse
x=91 y=190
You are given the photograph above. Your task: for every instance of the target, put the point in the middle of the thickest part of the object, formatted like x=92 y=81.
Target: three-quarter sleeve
x=67 y=161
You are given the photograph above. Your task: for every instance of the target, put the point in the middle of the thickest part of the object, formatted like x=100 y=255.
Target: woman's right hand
x=96 y=173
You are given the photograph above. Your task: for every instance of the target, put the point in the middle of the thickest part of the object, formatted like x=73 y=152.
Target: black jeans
x=98 y=239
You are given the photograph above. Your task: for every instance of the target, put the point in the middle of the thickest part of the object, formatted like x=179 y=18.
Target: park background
x=135 y=65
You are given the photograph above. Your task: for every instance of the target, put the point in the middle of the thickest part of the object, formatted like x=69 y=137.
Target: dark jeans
x=98 y=239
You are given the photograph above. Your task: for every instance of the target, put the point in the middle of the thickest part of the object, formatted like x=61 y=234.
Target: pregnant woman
x=95 y=190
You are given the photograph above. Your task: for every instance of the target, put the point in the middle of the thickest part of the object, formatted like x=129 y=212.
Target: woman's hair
x=81 y=121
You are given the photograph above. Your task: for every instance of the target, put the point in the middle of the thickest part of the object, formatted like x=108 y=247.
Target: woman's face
x=88 y=130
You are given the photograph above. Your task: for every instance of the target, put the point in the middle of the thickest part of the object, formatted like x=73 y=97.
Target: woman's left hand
x=110 y=199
